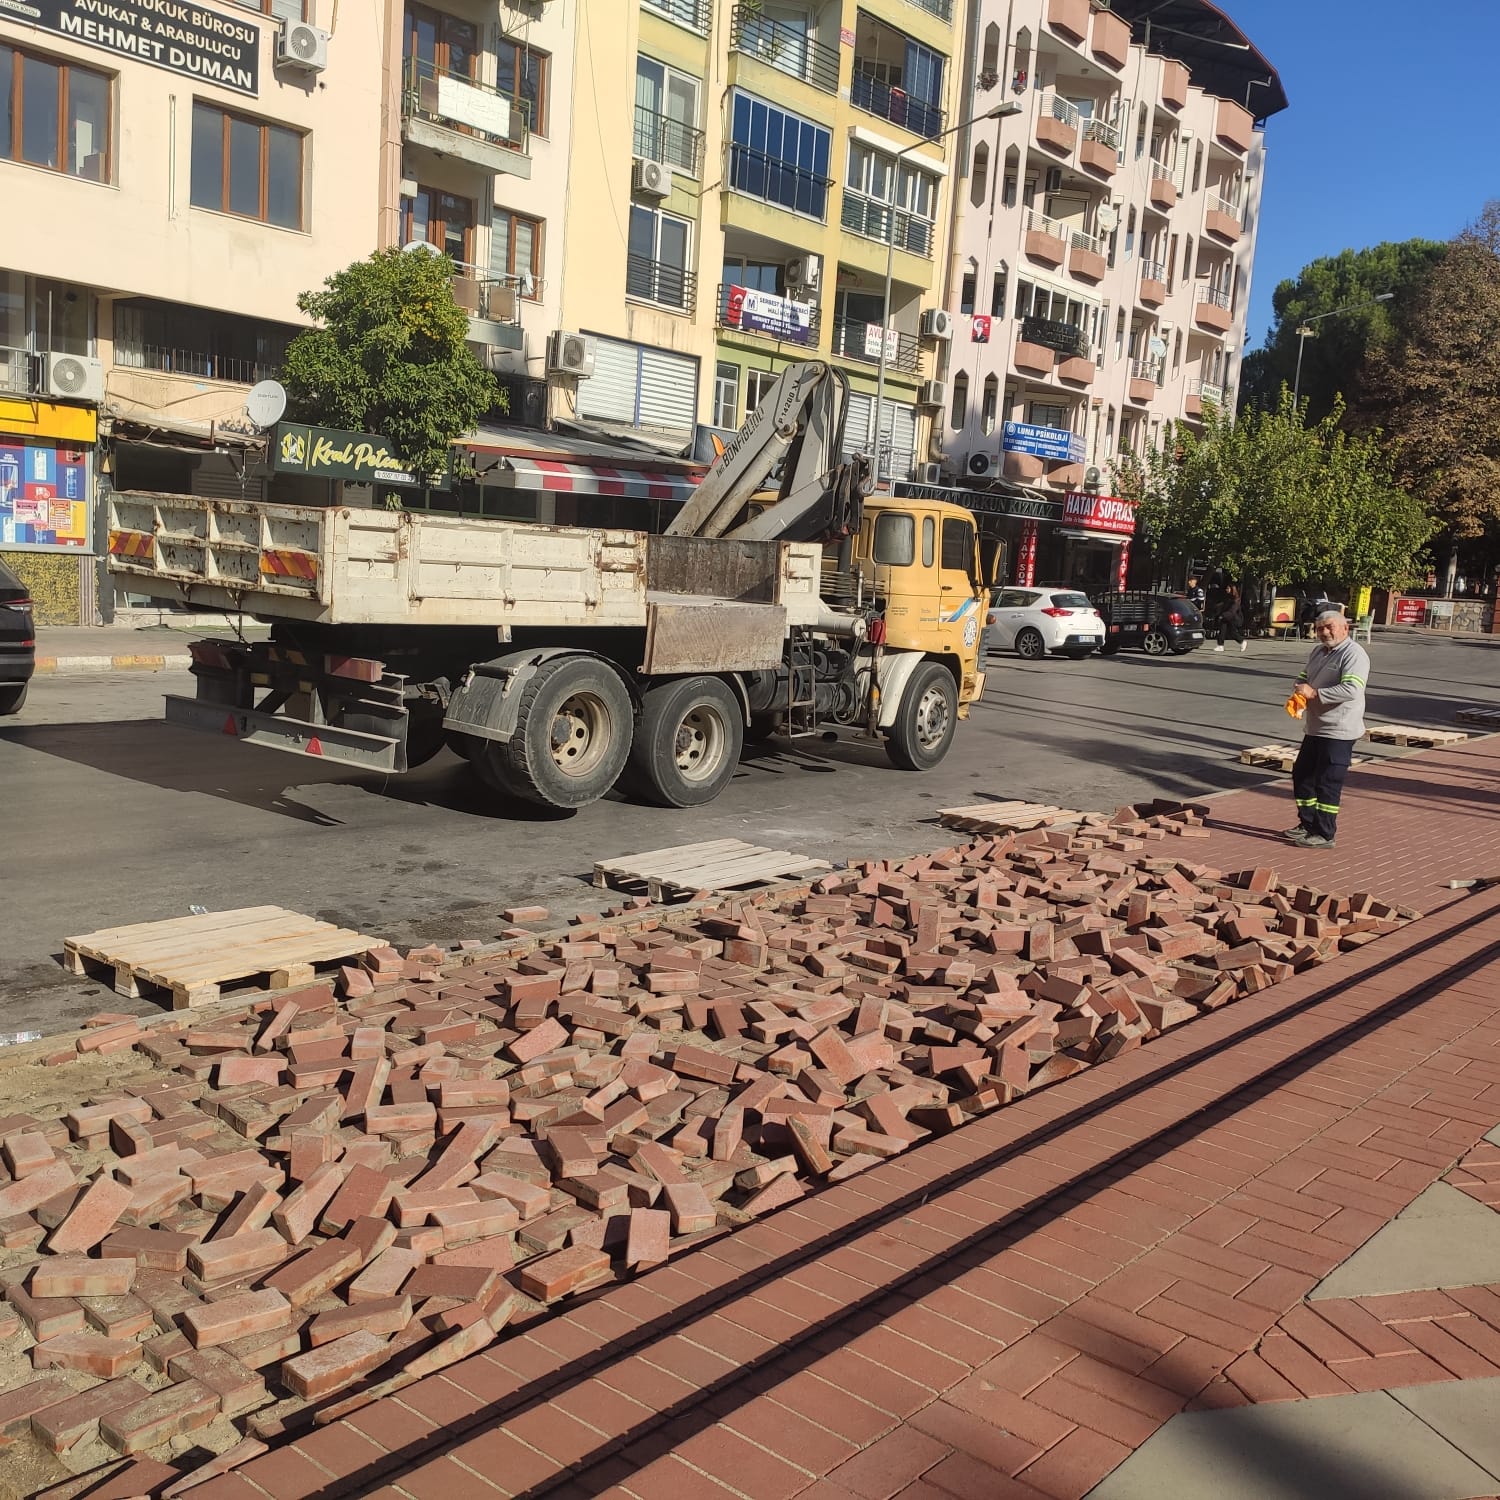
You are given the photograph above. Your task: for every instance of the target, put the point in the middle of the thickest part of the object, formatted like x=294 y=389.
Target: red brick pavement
x=1010 y=1310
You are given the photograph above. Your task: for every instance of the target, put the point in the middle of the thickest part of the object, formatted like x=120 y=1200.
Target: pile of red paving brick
x=333 y=1195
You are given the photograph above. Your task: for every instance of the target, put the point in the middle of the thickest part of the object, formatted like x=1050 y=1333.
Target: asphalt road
x=110 y=816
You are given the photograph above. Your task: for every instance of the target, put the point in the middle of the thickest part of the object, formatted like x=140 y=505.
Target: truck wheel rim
x=699 y=748
x=932 y=717
x=581 y=733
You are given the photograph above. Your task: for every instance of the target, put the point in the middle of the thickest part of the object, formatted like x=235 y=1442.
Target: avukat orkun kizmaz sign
x=193 y=40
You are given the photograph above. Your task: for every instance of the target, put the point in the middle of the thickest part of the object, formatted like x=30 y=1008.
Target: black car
x=17 y=641
x=1157 y=623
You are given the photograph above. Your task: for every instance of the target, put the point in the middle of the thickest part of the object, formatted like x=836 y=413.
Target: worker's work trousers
x=1318 y=780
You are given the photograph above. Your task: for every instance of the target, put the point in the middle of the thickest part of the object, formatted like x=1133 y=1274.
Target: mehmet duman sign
x=182 y=38
x=327 y=453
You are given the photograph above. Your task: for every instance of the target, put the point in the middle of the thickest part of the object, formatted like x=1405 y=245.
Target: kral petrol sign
x=1099 y=513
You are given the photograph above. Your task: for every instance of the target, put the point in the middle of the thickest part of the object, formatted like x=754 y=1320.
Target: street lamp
x=1305 y=332
x=999 y=112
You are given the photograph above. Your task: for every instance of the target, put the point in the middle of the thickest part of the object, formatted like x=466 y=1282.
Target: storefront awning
x=591 y=479
x=1108 y=538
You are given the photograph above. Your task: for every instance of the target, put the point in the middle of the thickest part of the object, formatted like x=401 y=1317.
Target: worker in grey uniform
x=1332 y=684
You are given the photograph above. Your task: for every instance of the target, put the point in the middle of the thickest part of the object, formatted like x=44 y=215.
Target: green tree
x=1335 y=357
x=389 y=356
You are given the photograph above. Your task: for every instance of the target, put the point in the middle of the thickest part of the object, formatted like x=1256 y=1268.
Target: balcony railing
x=463 y=104
x=1093 y=243
x=496 y=299
x=659 y=137
x=21 y=371
x=1066 y=339
x=199 y=363
x=1153 y=270
x=879 y=221
x=893 y=104
x=1161 y=170
x=656 y=281
x=1146 y=369
x=1103 y=132
x=784 y=329
x=1206 y=390
x=1060 y=109
x=854 y=339
x=1215 y=296
x=784 y=48
x=1038 y=221
x=775 y=180
x=1224 y=206
x=693 y=14
x=943 y=9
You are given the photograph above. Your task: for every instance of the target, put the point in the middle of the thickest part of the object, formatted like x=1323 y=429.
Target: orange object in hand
x=1296 y=705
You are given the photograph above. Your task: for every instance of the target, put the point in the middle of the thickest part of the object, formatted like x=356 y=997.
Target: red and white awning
x=593 y=479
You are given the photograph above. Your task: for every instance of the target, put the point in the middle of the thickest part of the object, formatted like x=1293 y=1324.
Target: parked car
x=1033 y=621
x=17 y=641
x=1157 y=623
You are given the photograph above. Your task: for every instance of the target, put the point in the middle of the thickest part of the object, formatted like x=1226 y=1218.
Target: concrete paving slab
x=1443 y=1238
x=1336 y=1448
x=1493 y=1136
x=1466 y=1412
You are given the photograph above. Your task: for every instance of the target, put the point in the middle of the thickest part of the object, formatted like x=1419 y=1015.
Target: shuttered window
x=639 y=385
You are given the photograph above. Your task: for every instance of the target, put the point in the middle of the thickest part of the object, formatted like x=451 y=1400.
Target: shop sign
x=1055 y=443
x=1122 y=569
x=326 y=453
x=44 y=496
x=1026 y=562
x=71 y=426
x=1099 y=513
x=194 y=40
x=981 y=502
x=1410 y=611
x=872 y=342
x=764 y=312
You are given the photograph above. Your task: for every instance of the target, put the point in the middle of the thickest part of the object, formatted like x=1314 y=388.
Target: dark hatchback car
x=17 y=641
x=1160 y=624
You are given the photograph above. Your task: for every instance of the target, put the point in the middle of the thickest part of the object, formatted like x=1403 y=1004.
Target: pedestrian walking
x=1231 y=620
x=1332 y=688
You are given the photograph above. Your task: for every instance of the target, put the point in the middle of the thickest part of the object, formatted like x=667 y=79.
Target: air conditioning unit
x=570 y=353
x=937 y=323
x=804 y=273
x=1053 y=183
x=299 y=45
x=932 y=393
x=75 y=378
x=653 y=178
x=930 y=473
x=980 y=464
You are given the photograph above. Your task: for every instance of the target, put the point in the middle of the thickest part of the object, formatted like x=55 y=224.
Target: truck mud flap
x=376 y=752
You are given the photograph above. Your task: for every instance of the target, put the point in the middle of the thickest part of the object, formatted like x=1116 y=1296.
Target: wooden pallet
x=1480 y=718
x=193 y=958
x=1007 y=817
x=1279 y=756
x=1404 y=734
x=721 y=864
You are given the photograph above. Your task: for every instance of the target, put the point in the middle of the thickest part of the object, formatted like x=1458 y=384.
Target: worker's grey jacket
x=1339 y=673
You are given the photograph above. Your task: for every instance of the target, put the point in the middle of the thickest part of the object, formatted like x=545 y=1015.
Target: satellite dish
x=265 y=404
x=423 y=247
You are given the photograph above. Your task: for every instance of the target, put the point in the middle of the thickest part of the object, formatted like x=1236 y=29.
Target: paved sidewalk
x=1115 y=1283
x=110 y=648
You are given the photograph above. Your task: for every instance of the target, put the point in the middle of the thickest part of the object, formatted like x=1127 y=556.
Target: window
x=997 y=296
x=245 y=167
x=151 y=335
x=991 y=63
x=666 y=116
x=516 y=250
x=282 y=10
x=979 y=178
x=54 y=115
x=521 y=72
x=960 y=412
x=757 y=383
x=929 y=541
x=989 y=411
x=1187 y=259
x=657 y=263
x=958 y=545
x=726 y=395
x=1140 y=133
x=778 y=157
x=1045 y=414
x=895 y=539
x=874 y=183
x=1130 y=234
x=430 y=217
x=440 y=44
x=966 y=294
x=1197 y=165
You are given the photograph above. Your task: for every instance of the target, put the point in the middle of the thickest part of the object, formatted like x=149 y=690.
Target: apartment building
x=1103 y=240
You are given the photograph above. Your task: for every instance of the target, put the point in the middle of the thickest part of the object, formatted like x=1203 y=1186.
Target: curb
x=64 y=664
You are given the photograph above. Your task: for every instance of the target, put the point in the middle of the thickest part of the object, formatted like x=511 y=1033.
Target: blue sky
x=1390 y=133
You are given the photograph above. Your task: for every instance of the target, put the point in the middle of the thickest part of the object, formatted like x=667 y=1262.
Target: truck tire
x=688 y=743
x=925 y=722
x=571 y=738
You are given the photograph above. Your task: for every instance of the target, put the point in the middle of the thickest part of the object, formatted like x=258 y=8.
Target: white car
x=1033 y=621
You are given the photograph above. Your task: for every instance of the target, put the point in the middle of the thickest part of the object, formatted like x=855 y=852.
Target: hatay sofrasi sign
x=193 y=40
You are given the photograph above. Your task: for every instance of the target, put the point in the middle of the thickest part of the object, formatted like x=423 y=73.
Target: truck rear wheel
x=571 y=738
x=925 y=722
x=688 y=744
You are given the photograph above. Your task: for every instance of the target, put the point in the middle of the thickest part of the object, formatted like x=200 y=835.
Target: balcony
x=1058 y=124
x=1078 y=370
x=1046 y=239
x=942 y=9
x=658 y=282
x=779 y=319
x=1066 y=339
x=1100 y=151
x=1069 y=17
x=1161 y=191
x=1234 y=127
x=198 y=363
x=493 y=304
x=694 y=14
x=853 y=339
x=1174 y=83
x=784 y=48
x=1110 y=41
x=1222 y=219
x=22 y=373
x=1144 y=381
x=459 y=117
x=893 y=104
x=1086 y=258
x=1153 y=286
x=659 y=137
x=773 y=180
x=1199 y=392
x=1031 y=357
x=879 y=221
x=1211 y=310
